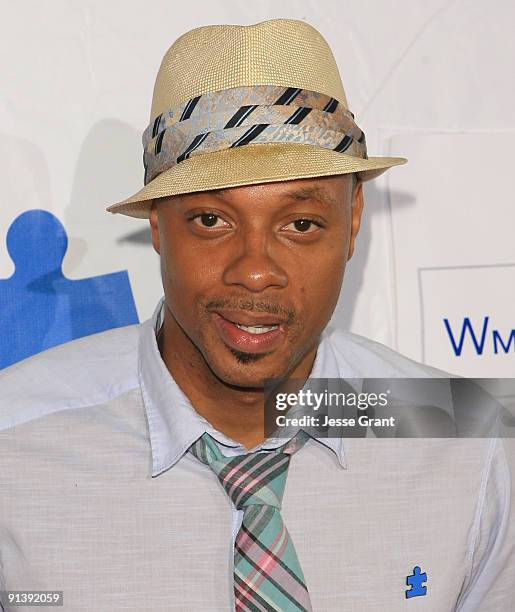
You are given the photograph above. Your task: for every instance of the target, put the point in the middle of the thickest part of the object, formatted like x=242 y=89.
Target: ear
x=154 y=229
x=357 y=209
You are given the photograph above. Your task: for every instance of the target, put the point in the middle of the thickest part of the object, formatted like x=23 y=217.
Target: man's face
x=270 y=257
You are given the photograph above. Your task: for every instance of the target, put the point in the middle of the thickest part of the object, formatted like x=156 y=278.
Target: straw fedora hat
x=238 y=105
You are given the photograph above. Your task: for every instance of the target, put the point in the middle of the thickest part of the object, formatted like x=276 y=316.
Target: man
x=135 y=471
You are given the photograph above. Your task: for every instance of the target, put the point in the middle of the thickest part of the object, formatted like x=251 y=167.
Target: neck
x=237 y=412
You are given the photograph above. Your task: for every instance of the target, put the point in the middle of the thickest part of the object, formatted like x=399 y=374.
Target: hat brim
x=249 y=165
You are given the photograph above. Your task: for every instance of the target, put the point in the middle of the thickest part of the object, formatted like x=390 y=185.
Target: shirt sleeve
x=490 y=582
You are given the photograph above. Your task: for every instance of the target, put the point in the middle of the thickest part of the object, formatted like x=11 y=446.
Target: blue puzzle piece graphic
x=415 y=581
x=39 y=306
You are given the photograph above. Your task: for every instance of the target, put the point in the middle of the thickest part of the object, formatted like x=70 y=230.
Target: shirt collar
x=173 y=422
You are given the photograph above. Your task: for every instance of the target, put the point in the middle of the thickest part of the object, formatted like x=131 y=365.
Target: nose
x=254 y=267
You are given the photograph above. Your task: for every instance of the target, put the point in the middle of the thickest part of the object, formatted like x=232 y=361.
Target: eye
x=208 y=219
x=304 y=225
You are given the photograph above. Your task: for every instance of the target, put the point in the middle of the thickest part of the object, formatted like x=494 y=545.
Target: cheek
x=181 y=276
x=188 y=277
x=183 y=270
x=324 y=267
x=320 y=280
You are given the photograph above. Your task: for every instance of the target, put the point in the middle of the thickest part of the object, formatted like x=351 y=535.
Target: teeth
x=257 y=329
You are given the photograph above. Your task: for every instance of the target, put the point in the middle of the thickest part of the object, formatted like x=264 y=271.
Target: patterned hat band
x=249 y=115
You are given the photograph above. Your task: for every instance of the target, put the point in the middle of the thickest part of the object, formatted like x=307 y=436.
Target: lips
x=246 y=341
x=251 y=319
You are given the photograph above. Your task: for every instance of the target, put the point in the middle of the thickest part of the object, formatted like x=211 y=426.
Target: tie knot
x=253 y=478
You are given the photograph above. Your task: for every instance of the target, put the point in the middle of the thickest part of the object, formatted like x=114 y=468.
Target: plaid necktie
x=267 y=573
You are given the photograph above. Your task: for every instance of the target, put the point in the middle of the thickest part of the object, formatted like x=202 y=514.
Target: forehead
x=328 y=192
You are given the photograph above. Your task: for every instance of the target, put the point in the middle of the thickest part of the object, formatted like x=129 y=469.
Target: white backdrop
x=433 y=275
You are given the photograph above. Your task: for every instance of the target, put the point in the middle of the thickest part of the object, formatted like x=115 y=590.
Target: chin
x=247 y=370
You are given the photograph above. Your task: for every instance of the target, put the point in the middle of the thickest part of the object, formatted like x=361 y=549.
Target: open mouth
x=256 y=329
x=255 y=338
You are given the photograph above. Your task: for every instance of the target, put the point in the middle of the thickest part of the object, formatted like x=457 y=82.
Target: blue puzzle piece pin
x=39 y=306
x=415 y=581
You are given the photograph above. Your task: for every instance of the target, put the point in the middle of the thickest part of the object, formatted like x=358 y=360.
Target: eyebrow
x=299 y=194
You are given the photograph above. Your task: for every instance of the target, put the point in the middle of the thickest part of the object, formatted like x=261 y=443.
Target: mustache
x=250 y=305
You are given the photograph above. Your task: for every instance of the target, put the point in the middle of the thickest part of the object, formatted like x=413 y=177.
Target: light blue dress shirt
x=94 y=437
